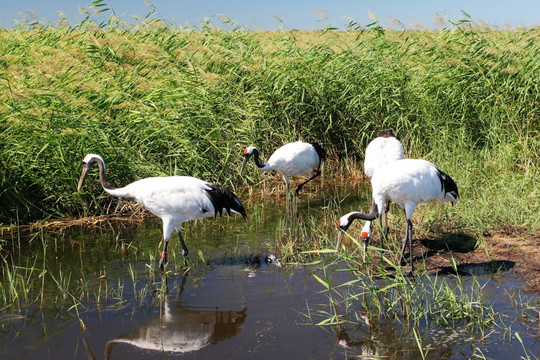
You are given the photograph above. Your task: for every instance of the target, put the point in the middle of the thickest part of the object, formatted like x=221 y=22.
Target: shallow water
x=95 y=294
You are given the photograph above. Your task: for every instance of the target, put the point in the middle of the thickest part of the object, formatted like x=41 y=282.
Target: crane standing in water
x=406 y=182
x=292 y=159
x=382 y=150
x=174 y=199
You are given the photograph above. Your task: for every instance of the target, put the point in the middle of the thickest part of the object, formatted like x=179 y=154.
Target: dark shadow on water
x=478 y=269
x=378 y=339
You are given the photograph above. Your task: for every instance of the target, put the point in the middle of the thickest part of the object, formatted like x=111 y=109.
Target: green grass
x=156 y=100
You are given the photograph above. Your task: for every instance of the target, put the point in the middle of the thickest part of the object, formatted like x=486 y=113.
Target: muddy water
x=95 y=294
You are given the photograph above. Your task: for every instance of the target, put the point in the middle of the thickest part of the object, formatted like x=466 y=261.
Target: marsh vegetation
x=157 y=100
x=96 y=290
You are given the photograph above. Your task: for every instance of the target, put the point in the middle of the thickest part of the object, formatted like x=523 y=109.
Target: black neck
x=358 y=215
x=256 y=158
x=102 y=177
x=387 y=133
x=373 y=214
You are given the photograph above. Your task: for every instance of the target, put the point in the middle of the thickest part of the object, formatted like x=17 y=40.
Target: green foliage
x=157 y=100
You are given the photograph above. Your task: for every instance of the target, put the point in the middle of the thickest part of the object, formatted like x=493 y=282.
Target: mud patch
x=503 y=252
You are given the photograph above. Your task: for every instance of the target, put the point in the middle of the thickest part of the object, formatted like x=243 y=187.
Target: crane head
x=343 y=223
x=346 y=220
x=87 y=162
x=250 y=150
x=366 y=231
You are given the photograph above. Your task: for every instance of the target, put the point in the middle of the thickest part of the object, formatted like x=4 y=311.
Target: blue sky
x=297 y=14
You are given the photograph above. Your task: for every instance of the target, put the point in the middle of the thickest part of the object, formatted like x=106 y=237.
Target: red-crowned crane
x=292 y=159
x=406 y=182
x=174 y=199
x=380 y=151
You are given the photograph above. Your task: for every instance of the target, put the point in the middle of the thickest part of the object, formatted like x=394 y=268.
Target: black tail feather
x=223 y=198
x=320 y=151
x=447 y=183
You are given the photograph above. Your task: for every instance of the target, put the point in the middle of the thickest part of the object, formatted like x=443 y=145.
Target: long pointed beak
x=246 y=158
x=365 y=239
x=83 y=174
x=340 y=235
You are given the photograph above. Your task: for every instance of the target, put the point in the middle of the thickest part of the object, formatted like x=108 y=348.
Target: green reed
x=157 y=100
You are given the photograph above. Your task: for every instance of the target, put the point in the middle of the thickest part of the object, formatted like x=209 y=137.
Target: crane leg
x=168 y=229
x=407 y=238
x=411 y=259
x=383 y=238
x=404 y=241
x=403 y=244
x=386 y=228
x=184 y=247
x=288 y=190
x=317 y=173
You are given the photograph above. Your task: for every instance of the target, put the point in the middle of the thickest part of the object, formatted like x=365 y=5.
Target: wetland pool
x=95 y=293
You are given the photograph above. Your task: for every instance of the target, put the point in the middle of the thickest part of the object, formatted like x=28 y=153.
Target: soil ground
x=504 y=251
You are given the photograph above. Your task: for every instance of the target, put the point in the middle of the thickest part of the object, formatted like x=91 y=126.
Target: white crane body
x=292 y=159
x=179 y=198
x=174 y=199
x=407 y=182
x=381 y=151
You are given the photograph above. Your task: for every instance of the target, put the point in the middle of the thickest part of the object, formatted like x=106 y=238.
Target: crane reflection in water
x=181 y=328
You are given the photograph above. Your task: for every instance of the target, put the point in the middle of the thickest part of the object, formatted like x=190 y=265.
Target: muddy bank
x=519 y=254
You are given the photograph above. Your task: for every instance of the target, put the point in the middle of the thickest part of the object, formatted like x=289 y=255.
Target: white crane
x=174 y=199
x=380 y=151
x=406 y=182
x=292 y=159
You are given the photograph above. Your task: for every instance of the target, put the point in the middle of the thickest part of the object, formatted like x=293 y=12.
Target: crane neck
x=373 y=214
x=102 y=177
x=360 y=216
x=256 y=159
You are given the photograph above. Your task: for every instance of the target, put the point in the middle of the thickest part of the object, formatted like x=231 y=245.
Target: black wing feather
x=447 y=184
x=320 y=152
x=223 y=198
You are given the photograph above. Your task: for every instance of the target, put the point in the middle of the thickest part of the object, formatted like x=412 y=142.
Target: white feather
x=174 y=199
x=407 y=182
x=177 y=198
x=293 y=159
x=382 y=151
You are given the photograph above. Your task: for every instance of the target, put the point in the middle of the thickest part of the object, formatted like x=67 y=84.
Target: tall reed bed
x=157 y=100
